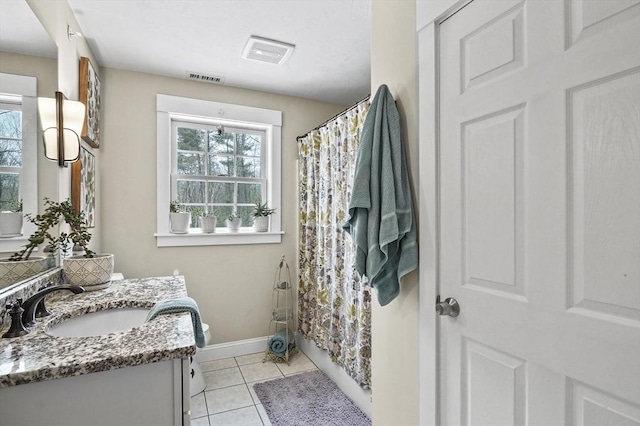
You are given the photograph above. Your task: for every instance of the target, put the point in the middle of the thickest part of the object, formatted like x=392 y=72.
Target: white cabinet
x=148 y=394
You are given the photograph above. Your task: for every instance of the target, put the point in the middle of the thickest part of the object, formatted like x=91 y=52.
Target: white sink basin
x=100 y=322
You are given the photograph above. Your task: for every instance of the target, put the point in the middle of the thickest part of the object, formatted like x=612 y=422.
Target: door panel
x=491 y=157
x=486 y=368
x=604 y=182
x=539 y=166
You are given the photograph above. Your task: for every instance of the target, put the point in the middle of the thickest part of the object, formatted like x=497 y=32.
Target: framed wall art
x=83 y=186
x=90 y=97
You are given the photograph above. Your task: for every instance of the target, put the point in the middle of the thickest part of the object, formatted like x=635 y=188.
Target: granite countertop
x=38 y=356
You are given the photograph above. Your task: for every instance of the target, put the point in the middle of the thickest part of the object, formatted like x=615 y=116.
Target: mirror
x=26 y=49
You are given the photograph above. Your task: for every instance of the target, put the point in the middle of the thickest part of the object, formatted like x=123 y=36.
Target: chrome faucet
x=30 y=305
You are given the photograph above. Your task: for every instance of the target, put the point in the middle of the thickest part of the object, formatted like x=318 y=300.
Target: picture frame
x=83 y=186
x=90 y=97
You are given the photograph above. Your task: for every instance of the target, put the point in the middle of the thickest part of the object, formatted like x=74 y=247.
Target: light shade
x=62 y=122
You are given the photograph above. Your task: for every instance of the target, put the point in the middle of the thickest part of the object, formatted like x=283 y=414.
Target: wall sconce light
x=62 y=122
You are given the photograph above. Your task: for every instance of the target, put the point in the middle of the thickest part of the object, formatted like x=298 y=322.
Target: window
x=10 y=150
x=18 y=150
x=220 y=159
x=220 y=170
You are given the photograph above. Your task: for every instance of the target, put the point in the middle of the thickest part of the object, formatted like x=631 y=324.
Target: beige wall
x=231 y=284
x=395 y=326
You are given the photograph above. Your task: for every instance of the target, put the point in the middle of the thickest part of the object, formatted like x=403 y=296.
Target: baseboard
x=361 y=397
x=231 y=349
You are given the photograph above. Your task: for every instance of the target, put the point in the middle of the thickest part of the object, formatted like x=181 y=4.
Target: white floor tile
x=250 y=359
x=246 y=417
x=263 y=415
x=200 y=421
x=259 y=371
x=217 y=379
x=297 y=364
x=218 y=364
x=229 y=398
x=198 y=406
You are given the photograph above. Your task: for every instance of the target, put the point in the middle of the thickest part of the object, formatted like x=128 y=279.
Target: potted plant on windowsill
x=179 y=218
x=196 y=215
x=208 y=222
x=261 y=214
x=234 y=222
x=14 y=269
x=92 y=270
x=11 y=220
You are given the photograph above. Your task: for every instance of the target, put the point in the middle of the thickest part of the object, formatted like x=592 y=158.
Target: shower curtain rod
x=336 y=116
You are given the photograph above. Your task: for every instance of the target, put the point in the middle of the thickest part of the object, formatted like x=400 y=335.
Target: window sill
x=13 y=244
x=219 y=238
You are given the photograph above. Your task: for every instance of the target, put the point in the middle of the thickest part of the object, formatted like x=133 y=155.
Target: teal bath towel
x=381 y=219
x=278 y=344
x=180 y=304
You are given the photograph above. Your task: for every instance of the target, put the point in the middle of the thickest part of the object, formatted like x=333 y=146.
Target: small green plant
x=233 y=216
x=54 y=212
x=197 y=212
x=262 y=210
x=176 y=207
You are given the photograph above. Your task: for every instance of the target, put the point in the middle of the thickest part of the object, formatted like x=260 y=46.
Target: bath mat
x=308 y=399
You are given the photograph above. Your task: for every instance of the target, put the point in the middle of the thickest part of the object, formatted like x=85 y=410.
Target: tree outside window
x=219 y=174
x=10 y=154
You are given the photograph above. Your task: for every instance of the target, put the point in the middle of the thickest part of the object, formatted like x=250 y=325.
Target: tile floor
x=229 y=398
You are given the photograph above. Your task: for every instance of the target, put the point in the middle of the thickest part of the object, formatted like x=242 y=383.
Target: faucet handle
x=14 y=306
x=16 y=329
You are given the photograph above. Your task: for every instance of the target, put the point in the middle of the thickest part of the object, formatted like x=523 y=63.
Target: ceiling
x=331 y=60
x=21 y=32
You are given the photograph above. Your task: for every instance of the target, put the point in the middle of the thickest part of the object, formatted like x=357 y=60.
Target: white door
x=539 y=168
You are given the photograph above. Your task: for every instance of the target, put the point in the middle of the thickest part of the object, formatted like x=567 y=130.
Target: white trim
x=428 y=399
x=231 y=349
x=219 y=238
x=361 y=397
x=218 y=110
x=15 y=84
x=268 y=120
x=27 y=87
x=429 y=16
x=428 y=12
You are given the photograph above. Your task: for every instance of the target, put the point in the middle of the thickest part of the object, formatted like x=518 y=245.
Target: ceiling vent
x=265 y=50
x=203 y=77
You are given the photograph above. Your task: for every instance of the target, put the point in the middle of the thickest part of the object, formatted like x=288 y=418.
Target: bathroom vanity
x=136 y=376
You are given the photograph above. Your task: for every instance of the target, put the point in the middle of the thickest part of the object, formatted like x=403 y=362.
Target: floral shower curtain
x=334 y=304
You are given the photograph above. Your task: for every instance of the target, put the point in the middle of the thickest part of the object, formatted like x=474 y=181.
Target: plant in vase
x=261 y=214
x=179 y=218
x=90 y=270
x=11 y=220
x=208 y=222
x=196 y=214
x=13 y=269
x=234 y=222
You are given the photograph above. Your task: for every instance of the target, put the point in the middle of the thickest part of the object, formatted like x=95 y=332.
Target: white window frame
x=175 y=108
x=264 y=167
x=21 y=89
